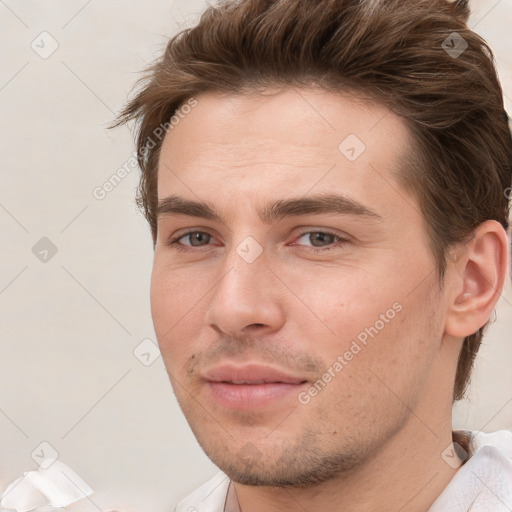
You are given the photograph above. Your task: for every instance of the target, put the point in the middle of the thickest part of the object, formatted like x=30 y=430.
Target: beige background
x=69 y=326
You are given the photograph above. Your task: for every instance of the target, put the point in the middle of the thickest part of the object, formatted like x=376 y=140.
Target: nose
x=246 y=297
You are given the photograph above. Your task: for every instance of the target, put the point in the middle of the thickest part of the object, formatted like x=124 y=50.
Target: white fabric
x=482 y=484
x=55 y=486
x=210 y=497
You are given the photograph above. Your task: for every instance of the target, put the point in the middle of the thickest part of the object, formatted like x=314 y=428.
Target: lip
x=250 y=386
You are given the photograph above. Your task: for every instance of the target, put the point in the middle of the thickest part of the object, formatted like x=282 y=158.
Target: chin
x=304 y=463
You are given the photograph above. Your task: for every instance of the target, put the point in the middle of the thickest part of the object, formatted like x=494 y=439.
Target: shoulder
x=209 y=497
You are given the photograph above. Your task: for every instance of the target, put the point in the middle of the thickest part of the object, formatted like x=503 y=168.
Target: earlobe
x=481 y=273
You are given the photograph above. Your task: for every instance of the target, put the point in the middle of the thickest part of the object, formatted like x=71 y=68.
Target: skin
x=372 y=438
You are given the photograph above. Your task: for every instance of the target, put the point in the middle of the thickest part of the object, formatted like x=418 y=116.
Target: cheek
x=176 y=301
x=372 y=323
x=344 y=302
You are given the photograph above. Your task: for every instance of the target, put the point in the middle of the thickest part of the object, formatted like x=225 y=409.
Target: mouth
x=250 y=386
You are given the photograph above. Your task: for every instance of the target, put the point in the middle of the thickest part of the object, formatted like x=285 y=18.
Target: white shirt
x=482 y=484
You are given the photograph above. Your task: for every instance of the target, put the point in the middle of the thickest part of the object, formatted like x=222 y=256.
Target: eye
x=321 y=241
x=196 y=239
x=324 y=239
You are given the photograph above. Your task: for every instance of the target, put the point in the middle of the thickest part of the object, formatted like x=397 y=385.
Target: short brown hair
x=418 y=58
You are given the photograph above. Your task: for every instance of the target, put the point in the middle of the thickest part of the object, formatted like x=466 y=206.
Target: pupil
x=321 y=236
x=197 y=237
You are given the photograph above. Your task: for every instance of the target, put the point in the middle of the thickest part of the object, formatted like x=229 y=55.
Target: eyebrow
x=271 y=212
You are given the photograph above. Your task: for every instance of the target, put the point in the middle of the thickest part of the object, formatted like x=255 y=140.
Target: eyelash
x=174 y=242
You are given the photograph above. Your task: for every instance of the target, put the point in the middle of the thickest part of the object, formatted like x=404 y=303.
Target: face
x=293 y=294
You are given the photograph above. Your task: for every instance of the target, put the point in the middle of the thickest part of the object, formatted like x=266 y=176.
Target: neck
x=408 y=473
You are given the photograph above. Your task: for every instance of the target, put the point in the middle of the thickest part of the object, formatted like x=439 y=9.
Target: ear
x=479 y=276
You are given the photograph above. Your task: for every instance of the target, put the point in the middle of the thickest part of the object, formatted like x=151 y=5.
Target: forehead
x=300 y=138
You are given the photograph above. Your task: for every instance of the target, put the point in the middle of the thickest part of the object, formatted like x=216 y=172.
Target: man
x=326 y=185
